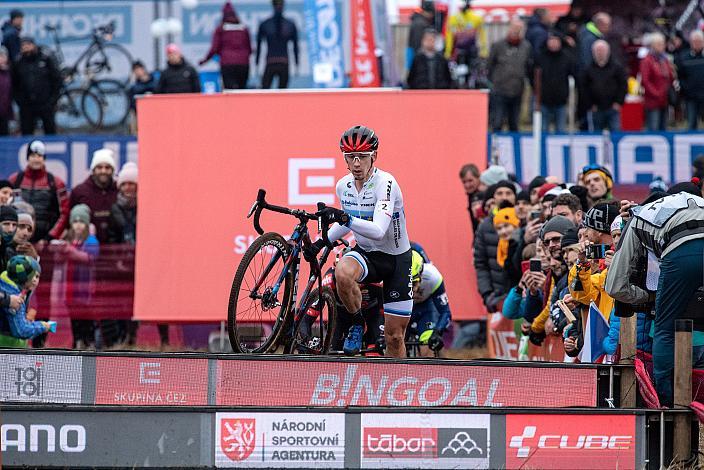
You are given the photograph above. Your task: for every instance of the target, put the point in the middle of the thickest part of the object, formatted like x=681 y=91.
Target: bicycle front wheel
x=314 y=335
x=260 y=296
x=109 y=60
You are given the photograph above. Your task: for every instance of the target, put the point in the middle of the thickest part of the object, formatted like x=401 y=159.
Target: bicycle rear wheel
x=315 y=337
x=70 y=113
x=92 y=109
x=255 y=317
x=113 y=99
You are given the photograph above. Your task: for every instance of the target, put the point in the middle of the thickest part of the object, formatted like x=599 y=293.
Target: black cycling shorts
x=394 y=271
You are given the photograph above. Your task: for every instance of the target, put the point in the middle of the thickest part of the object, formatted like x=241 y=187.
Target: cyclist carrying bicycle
x=431 y=310
x=372 y=208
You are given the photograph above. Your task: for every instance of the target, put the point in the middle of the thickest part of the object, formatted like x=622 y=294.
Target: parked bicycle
x=87 y=102
x=262 y=312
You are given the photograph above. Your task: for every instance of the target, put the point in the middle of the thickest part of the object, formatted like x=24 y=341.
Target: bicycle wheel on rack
x=114 y=100
x=255 y=317
x=314 y=337
x=109 y=61
x=77 y=110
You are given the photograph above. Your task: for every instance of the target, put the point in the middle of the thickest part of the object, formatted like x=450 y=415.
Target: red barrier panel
x=151 y=381
x=203 y=158
x=287 y=383
x=571 y=441
x=503 y=344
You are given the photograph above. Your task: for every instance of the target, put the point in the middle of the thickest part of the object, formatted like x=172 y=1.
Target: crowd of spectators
x=544 y=53
x=42 y=220
x=548 y=249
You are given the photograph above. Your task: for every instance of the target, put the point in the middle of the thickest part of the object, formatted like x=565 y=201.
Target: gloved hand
x=536 y=338
x=333 y=214
x=433 y=339
x=310 y=253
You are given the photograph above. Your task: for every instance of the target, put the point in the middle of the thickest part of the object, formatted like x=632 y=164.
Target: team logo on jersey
x=394 y=295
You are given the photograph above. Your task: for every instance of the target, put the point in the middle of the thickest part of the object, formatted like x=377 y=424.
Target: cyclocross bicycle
x=262 y=312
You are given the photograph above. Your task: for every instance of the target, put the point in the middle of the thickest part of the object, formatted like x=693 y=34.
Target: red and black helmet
x=359 y=139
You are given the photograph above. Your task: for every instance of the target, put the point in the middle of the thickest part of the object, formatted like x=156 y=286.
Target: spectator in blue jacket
x=644 y=342
x=15 y=328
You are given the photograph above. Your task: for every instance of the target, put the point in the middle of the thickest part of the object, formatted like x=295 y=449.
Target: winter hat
x=657 y=185
x=582 y=193
x=506 y=216
x=8 y=213
x=523 y=196
x=570 y=237
x=5 y=184
x=35 y=264
x=36 y=146
x=554 y=192
x=19 y=270
x=616 y=225
x=128 y=174
x=493 y=175
x=29 y=39
x=687 y=187
x=536 y=182
x=601 y=170
x=558 y=223
x=25 y=218
x=544 y=189
x=103 y=156
x=501 y=184
x=600 y=217
x=23 y=207
x=173 y=48
x=228 y=13
x=80 y=213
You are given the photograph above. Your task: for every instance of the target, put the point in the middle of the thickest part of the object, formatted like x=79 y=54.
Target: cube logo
x=238 y=438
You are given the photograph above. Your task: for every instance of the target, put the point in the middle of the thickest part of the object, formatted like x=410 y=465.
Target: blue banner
x=324 y=30
x=68 y=157
x=633 y=158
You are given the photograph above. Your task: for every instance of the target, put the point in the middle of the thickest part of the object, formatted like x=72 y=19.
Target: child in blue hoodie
x=15 y=328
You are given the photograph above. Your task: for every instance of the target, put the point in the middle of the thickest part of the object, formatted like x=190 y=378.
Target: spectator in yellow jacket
x=465 y=33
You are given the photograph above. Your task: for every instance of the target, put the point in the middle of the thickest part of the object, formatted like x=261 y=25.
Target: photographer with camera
x=672 y=230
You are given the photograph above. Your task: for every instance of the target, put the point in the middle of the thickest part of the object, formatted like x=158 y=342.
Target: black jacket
x=122 y=227
x=179 y=78
x=11 y=40
x=429 y=72
x=556 y=67
x=690 y=71
x=36 y=80
x=492 y=280
x=603 y=86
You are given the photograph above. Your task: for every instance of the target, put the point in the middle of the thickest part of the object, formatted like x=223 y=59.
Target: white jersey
x=378 y=220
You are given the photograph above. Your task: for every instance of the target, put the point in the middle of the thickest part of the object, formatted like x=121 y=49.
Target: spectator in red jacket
x=657 y=76
x=232 y=43
x=46 y=193
x=98 y=191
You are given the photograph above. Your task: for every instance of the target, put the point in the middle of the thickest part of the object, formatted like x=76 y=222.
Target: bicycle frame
x=97 y=41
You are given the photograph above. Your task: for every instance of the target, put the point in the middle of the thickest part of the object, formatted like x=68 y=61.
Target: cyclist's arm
x=337 y=231
x=386 y=197
x=439 y=298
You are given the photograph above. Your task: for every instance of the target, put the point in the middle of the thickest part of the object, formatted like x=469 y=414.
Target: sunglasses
x=352 y=156
x=591 y=167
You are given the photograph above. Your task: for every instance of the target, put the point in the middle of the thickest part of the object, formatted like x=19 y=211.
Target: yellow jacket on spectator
x=538 y=325
x=462 y=21
x=590 y=288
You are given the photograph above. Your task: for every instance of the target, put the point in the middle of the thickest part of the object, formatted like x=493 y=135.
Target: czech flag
x=596 y=329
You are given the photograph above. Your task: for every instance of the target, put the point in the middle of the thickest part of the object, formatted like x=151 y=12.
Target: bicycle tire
x=276 y=241
x=295 y=346
x=92 y=109
x=70 y=115
x=114 y=100
x=98 y=62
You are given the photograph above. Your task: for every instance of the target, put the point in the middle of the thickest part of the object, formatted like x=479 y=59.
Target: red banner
x=503 y=344
x=298 y=165
x=141 y=381
x=365 y=67
x=571 y=441
x=339 y=384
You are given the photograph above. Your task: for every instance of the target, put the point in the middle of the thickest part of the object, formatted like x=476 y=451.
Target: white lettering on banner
x=565 y=442
x=628 y=167
x=295 y=166
x=329 y=41
x=242 y=242
x=72 y=437
x=156 y=398
x=682 y=147
x=505 y=344
x=393 y=443
x=400 y=392
x=149 y=372
x=577 y=158
x=363 y=66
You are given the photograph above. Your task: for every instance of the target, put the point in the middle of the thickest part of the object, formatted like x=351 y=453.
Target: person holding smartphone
x=588 y=276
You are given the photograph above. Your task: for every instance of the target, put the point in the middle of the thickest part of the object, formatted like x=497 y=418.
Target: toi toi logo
x=28 y=380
